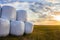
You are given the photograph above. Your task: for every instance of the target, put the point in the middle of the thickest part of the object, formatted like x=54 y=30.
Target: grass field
x=41 y=32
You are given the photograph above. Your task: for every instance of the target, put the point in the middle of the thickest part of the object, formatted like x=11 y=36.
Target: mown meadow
x=41 y=32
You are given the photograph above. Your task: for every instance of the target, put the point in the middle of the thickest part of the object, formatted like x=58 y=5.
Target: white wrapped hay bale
x=21 y=15
x=0 y=11
x=8 y=12
x=17 y=28
x=28 y=27
x=4 y=27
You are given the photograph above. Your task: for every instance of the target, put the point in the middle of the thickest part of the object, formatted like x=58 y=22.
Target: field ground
x=41 y=32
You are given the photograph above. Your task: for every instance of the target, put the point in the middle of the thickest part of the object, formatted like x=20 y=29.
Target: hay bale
x=21 y=15
x=17 y=28
x=8 y=12
x=4 y=27
x=28 y=27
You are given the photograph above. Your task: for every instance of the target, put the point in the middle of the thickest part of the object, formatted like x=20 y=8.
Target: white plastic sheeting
x=28 y=27
x=21 y=15
x=4 y=27
x=8 y=12
x=17 y=28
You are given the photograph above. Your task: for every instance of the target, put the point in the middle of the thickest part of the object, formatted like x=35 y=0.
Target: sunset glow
x=57 y=18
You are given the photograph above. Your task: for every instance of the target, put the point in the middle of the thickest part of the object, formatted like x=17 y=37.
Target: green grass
x=41 y=32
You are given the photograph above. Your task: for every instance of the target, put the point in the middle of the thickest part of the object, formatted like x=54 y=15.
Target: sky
x=25 y=6
x=23 y=0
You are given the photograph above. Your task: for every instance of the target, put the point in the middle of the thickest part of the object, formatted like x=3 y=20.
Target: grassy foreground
x=40 y=33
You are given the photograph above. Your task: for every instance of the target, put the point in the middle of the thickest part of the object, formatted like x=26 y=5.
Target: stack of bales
x=14 y=22
x=22 y=16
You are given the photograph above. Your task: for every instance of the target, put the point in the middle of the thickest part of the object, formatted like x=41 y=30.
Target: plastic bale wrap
x=21 y=15
x=4 y=27
x=17 y=28
x=0 y=11
x=28 y=27
x=8 y=12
